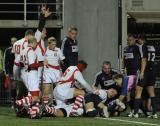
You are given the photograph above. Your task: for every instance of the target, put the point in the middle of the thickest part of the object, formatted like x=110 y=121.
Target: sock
x=13 y=94
x=34 y=110
x=50 y=110
x=77 y=104
x=154 y=106
x=27 y=100
x=45 y=99
x=137 y=104
x=144 y=110
x=131 y=104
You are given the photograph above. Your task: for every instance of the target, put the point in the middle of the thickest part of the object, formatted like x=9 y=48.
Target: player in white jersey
x=65 y=88
x=17 y=49
x=29 y=59
x=18 y=70
x=52 y=72
x=40 y=36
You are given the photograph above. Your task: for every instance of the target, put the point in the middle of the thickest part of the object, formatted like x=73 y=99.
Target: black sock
x=144 y=110
x=137 y=104
x=131 y=104
x=13 y=94
x=153 y=103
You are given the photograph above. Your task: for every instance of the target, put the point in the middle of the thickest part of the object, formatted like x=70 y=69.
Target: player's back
x=68 y=76
x=18 y=47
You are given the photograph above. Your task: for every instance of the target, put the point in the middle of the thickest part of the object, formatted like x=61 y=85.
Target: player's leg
x=78 y=92
x=138 y=93
x=92 y=102
x=78 y=103
x=46 y=91
x=151 y=92
x=48 y=79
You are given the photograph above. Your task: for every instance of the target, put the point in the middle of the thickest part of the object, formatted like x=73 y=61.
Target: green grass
x=7 y=118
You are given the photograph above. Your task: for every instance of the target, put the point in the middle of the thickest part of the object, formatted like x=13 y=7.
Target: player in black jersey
x=131 y=56
x=147 y=79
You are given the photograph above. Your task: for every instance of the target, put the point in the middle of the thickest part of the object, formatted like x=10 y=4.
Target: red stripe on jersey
x=41 y=48
x=24 y=43
x=71 y=79
x=54 y=67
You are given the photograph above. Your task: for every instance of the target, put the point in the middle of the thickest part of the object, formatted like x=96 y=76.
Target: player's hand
x=96 y=92
x=141 y=76
x=45 y=11
x=45 y=62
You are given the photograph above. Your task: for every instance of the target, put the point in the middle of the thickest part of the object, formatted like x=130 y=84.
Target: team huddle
x=56 y=87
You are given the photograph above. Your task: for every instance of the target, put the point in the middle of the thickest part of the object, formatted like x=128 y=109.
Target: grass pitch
x=8 y=118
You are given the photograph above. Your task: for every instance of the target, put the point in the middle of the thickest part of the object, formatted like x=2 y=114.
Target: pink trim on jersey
x=71 y=79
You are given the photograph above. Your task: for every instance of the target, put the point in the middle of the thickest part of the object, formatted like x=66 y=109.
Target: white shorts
x=24 y=76
x=62 y=93
x=69 y=108
x=40 y=73
x=16 y=73
x=32 y=80
x=51 y=75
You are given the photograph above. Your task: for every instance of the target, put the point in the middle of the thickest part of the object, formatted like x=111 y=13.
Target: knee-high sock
x=77 y=104
x=26 y=100
x=137 y=104
x=153 y=103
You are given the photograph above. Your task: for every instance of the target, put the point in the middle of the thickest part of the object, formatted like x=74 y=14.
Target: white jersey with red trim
x=54 y=57
x=18 y=46
x=71 y=75
x=28 y=57
x=40 y=50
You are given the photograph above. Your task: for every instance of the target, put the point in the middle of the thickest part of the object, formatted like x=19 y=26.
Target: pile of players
x=51 y=92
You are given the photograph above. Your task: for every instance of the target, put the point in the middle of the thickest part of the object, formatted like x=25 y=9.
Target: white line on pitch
x=127 y=121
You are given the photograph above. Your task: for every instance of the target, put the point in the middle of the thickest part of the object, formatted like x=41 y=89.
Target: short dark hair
x=107 y=63
x=142 y=36
x=29 y=32
x=83 y=62
x=117 y=76
x=131 y=35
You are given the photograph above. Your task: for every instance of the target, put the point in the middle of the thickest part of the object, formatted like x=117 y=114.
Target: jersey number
x=151 y=57
x=17 y=49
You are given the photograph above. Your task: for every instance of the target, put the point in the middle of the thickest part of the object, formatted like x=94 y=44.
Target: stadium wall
x=97 y=21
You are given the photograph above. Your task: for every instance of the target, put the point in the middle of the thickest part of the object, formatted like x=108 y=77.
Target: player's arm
x=122 y=97
x=42 y=21
x=96 y=83
x=144 y=54
x=62 y=57
x=6 y=69
x=78 y=76
x=32 y=64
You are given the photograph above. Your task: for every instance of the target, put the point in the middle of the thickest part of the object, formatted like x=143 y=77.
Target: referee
x=69 y=48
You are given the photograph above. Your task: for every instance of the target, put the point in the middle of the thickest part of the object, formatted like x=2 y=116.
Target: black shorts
x=90 y=97
x=149 y=78
x=132 y=72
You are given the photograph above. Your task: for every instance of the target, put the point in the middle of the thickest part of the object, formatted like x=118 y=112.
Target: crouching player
x=94 y=103
x=65 y=88
x=52 y=73
x=66 y=110
x=29 y=59
x=127 y=86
